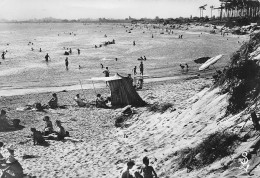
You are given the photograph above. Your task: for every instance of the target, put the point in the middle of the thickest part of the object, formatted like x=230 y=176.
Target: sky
x=76 y=9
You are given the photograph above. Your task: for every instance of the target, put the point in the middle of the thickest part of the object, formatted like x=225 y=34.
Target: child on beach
x=48 y=129
x=148 y=171
x=127 y=174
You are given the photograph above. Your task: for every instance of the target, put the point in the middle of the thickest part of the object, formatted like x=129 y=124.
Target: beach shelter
x=122 y=91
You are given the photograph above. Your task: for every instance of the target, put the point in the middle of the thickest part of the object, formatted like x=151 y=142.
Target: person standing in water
x=67 y=63
x=3 y=55
x=141 y=68
x=47 y=57
x=135 y=70
x=106 y=72
x=78 y=51
x=134 y=43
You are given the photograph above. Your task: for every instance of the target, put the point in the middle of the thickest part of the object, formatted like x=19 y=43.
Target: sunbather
x=79 y=101
x=12 y=167
x=48 y=129
x=53 y=103
x=61 y=133
x=100 y=102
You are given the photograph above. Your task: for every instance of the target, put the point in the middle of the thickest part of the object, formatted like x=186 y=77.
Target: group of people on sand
x=48 y=132
x=146 y=171
x=51 y=134
x=9 y=166
x=103 y=103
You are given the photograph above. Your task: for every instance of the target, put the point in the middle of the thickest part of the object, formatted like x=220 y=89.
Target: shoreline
x=13 y=92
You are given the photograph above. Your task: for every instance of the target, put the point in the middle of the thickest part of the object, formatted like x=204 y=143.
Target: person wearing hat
x=53 y=103
x=13 y=168
x=48 y=129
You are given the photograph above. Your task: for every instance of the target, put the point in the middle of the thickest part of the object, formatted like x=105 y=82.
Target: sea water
x=26 y=71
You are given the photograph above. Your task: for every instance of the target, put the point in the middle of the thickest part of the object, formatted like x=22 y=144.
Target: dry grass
x=215 y=146
x=156 y=107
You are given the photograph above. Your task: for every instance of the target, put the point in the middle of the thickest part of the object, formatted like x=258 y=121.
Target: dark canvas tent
x=122 y=91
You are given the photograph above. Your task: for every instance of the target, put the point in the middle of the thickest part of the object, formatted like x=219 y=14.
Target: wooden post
x=255 y=121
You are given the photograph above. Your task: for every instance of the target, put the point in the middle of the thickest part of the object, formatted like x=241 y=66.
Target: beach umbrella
x=210 y=61
x=201 y=60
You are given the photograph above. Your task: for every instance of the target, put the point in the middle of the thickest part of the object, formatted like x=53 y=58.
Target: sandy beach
x=100 y=151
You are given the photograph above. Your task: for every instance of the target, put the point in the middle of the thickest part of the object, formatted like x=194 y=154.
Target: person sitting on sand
x=61 y=133
x=4 y=124
x=48 y=129
x=53 y=103
x=148 y=171
x=100 y=102
x=37 y=137
x=79 y=101
x=12 y=167
x=127 y=174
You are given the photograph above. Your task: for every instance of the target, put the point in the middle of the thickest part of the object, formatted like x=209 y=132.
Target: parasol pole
x=94 y=87
x=82 y=89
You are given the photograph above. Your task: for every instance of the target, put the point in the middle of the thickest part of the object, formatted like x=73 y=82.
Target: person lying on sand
x=53 y=103
x=127 y=174
x=79 y=101
x=48 y=129
x=11 y=168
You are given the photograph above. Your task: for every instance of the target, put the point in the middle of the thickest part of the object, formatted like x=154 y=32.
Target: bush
x=242 y=78
x=156 y=107
x=216 y=146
